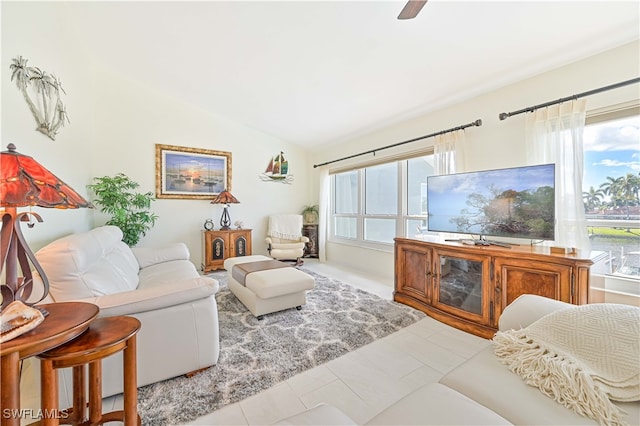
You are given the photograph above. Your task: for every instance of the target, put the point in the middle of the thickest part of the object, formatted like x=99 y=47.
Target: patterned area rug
x=255 y=355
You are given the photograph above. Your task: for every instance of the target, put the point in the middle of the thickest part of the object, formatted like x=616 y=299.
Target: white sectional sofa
x=159 y=286
x=481 y=391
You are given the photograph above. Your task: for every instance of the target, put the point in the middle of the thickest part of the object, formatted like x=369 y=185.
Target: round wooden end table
x=66 y=320
x=104 y=337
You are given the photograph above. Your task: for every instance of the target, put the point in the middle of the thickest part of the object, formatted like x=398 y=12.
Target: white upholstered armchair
x=284 y=237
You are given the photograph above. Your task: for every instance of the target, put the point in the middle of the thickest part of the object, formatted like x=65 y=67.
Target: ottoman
x=269 y=290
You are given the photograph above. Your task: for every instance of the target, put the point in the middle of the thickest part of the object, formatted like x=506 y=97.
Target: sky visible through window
x=611 y=149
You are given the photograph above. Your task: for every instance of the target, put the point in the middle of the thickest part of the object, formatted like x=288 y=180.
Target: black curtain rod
x=505 y=115
x=478 y=122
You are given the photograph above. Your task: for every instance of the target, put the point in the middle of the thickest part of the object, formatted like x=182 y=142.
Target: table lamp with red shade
x=25 y=182
x=225 y=197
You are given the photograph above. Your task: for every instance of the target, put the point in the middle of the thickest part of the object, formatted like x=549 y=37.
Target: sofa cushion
x=287 y=246
x=436 y=404
x=166 y=273
x=151 y=256
x=87 y=264
x=484 y=379
x=526 y=309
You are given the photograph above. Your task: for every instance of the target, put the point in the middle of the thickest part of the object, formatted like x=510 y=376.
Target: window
x=418 y=169
x=373 y=205
x=380 y=202
x=345 y=204
x=611 y=188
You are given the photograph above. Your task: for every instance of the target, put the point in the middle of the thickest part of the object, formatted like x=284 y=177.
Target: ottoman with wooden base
x=265 y=285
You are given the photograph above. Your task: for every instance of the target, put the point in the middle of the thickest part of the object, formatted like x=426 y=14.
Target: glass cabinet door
x=459 y=285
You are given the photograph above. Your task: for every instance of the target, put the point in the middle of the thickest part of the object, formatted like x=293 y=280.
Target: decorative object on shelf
x=225 y=198
x=310 y=214
x=25 y=182
x=208 y=225
x=18 y=318
x=277 y=170
x=130 y=211
x=191 y=173
x=238 y=224
x=46 y=106
x=563 y=250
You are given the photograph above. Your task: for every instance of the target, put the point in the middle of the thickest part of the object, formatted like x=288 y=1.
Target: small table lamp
x=24 y=182
x=225 y=197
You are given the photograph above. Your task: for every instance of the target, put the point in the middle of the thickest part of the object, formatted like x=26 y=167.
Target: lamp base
x=15 y=253
x=225 y=220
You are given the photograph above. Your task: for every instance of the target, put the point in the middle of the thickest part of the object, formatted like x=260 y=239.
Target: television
x=516 y=202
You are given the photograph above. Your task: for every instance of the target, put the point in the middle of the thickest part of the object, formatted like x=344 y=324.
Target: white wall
x=36 y=32
x=115 y=124
x=130 y=119
x=496 y=143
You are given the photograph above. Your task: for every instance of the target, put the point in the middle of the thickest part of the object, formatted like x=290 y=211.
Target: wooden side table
x=105 y=337
x=65 y=321
x=311 y=231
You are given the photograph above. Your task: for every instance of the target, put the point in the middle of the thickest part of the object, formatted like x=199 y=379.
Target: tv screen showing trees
x=516 y=202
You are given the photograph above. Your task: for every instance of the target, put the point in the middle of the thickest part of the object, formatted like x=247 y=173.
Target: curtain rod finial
x=478 y=122
x=503 y=116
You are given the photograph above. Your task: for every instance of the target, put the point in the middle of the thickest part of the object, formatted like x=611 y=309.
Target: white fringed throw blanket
x=583 y=357
x=285 y=226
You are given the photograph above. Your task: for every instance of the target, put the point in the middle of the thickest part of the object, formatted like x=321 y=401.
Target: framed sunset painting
x=191 y=173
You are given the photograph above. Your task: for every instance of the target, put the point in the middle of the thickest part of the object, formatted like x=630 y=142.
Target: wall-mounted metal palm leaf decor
x=277 y=170
x=42 y=92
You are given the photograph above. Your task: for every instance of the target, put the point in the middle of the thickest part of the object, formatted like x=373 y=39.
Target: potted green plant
x=310 y=214
x=129 y=210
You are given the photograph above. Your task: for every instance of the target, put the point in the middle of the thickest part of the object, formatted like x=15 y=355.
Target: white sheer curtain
x=449 y=153
x=555 y=135
x=323 y=213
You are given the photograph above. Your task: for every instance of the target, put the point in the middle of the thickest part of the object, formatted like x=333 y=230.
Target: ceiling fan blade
x=411 y=9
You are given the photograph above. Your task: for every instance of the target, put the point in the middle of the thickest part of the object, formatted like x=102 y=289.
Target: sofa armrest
x=154 y=298
x=527 y=309
x=152 y=256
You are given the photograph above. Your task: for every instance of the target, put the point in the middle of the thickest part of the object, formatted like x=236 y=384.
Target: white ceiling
x=322 y=72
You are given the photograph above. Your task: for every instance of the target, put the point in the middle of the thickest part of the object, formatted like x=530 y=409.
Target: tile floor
x=361 y=383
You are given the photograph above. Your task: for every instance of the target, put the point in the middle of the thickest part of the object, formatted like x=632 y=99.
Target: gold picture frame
x=191 y=173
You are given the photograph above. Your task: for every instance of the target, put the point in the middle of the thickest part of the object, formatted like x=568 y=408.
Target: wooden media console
x=468 y=287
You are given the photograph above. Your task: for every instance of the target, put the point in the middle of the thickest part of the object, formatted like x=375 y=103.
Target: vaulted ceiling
x=323 y=72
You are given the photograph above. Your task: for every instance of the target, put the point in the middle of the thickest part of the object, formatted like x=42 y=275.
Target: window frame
x=603 y=266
